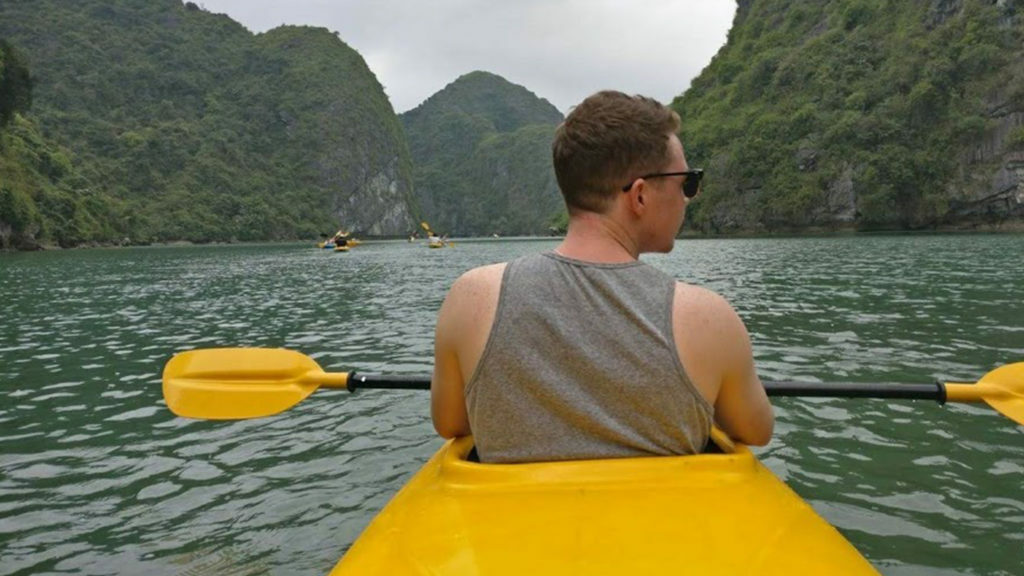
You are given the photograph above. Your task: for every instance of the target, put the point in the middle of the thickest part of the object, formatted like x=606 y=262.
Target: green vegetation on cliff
x=196 y=129
x=482 y=154
x=865 y=113
x=41 y=196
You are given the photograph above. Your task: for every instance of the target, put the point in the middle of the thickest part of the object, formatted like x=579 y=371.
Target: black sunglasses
x=691 y=180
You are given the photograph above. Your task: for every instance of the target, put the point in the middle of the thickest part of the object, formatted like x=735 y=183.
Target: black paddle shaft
x=936 y=391
x=387 y=382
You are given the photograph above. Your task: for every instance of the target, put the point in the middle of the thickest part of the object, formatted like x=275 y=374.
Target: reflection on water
x=97 y=477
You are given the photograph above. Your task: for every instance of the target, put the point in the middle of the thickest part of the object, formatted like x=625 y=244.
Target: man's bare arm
x=447 y=401
x=463 y=327
x=715 y=349
x=742 y=409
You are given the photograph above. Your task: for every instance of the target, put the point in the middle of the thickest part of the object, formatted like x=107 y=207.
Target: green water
x=97 y=476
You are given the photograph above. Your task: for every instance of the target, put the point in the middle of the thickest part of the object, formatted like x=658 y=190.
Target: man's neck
x=594 y=237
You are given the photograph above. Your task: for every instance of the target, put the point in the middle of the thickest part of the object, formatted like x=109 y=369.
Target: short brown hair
x=607 y=139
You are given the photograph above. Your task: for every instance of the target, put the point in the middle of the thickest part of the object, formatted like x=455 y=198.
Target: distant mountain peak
x=506 y=105
x=481 y=149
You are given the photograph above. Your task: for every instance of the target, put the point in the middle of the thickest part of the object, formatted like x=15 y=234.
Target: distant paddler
x=340 y=239
x=433 y=240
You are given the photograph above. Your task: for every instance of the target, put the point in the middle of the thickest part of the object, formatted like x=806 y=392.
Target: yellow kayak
x=708 y=514
x=715 y=513
x=341 y=248
x=435 y=245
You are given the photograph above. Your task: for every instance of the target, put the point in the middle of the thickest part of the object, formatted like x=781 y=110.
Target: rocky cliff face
x=359 y=156
x=861 y=114
x=990 y=186
x=379 y=206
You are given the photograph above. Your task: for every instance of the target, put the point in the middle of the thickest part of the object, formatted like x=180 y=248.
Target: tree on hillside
x=15 y=83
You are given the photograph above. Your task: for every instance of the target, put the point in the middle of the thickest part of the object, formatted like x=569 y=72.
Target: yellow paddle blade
x=235 y=383
x=425 y=226
x=1002 y=389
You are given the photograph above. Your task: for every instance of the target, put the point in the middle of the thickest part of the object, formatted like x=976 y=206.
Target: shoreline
x=1008 y=227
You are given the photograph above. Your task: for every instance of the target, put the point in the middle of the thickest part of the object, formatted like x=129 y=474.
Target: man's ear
x=637 y=196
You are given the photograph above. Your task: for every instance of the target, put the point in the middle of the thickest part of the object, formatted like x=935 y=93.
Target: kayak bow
x=706 y=514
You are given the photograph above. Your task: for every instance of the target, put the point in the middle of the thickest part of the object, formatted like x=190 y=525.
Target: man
x=586 y=352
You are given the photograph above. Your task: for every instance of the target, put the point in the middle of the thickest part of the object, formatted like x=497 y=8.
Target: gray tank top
x=581 y=363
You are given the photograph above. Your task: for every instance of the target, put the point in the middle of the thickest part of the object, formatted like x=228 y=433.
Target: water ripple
x=97 y=477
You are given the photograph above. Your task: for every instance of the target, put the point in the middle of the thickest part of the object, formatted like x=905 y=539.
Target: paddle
x=236 y=383
x=430 y=233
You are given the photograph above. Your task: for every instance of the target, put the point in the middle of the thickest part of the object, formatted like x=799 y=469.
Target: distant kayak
x=341 y=238
x=339 y=247
x=716 y=513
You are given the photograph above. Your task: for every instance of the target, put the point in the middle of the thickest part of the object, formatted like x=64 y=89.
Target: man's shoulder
x=693 y=300
x=472 y=294
x=479 y=278
x=483 y=273
x=707 y=328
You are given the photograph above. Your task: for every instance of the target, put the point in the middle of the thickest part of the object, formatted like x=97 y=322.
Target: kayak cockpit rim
x=734 y=462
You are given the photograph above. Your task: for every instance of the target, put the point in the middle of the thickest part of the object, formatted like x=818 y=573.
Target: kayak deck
x=704 y=514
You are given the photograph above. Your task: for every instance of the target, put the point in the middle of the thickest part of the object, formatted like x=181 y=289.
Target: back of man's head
x=606 y=140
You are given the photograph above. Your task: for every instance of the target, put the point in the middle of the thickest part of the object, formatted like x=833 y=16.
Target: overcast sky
x=561 y=50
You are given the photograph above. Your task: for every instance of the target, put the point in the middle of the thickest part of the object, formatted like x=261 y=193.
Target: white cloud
x=562 y=50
